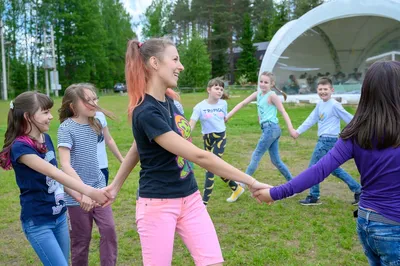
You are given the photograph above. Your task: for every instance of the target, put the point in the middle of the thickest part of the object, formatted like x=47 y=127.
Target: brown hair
x=22 y=108
x=72 y=95
x=218 y=82
x=136 y=72
x=325 y=81
x=376 y=123
x=272 y=79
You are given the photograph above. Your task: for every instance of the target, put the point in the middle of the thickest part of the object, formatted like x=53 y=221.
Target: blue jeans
x=325 y=144
x=380 y=241
x=49 y=240
x=271 y=133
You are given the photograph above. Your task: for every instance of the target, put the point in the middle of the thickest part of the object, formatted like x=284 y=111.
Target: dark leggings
x=215 y=143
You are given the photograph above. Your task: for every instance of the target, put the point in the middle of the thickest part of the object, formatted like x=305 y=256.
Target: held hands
x=294 y=133
x=86 y=203
x=113 y=192
x=98 y=197
x=260 y=192
x=263 y=195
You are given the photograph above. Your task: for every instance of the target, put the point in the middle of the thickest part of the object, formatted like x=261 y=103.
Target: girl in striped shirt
x=78 y=136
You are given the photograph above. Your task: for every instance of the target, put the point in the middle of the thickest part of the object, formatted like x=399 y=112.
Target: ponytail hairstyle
x=72 y=95
x=137 y=73
x=272 y=79
x=19 y=123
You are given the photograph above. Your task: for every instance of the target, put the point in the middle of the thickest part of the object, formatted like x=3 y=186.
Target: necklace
x=169 y=112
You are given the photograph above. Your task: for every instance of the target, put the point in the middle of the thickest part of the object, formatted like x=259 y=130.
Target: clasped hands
x=261 y=192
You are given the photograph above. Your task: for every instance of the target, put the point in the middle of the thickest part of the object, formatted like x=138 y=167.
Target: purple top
x=380 y=176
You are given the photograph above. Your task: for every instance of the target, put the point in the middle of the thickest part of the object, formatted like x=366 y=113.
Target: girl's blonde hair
x=272 y=79
x=72 y=95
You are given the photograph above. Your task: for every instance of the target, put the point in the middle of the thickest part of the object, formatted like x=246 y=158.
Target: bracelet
x=254 y=180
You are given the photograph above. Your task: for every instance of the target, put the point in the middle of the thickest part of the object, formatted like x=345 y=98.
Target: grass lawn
x=284 y=233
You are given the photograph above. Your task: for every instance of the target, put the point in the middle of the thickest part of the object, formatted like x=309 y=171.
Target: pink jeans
x=158 y=219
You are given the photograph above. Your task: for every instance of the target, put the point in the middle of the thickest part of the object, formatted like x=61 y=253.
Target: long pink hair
x=136 y=72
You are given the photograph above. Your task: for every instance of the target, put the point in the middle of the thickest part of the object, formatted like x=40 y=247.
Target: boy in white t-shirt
x=106 y=139
x=211 y=113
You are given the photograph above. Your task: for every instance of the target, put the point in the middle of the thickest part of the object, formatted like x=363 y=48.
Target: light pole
x=3 y=60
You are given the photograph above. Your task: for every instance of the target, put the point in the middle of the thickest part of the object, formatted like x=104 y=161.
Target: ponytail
x=281 y=92
x=136 y=75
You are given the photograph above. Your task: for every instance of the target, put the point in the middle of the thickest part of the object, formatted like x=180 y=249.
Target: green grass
x=284 y=233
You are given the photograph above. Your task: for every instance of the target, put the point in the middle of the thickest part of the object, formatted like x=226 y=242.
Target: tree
x=196 y=61
x=280 y=17
x=181 y=17
x=263 y=30
x=303 y=6
x=156 y=19
x=247 y=64
x=219 y=44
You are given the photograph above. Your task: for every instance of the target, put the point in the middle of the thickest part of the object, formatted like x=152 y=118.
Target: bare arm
x=39 y=165
x=192 y=124
x=175 y=144
x=240 y=105
x=112 y=145
x=277 y=102
x=130 y=161
x=65 y=161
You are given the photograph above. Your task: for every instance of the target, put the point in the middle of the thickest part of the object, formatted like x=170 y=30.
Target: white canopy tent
x=334 y=39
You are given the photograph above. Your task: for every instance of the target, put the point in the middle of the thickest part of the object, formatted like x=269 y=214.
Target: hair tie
x=11 y=105
x=140 y=44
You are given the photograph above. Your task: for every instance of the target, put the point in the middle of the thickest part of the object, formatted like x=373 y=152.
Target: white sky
x=136 y=9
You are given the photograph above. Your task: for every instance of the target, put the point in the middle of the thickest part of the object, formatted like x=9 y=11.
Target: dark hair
x=72 y=95
x=272 y=79
x=136 y=72
x=22 y=108
x=376 y=123
x=325 y=81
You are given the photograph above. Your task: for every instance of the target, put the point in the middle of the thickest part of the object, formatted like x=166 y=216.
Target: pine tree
x=262 y=32
x=247 y=63
x=196 y=61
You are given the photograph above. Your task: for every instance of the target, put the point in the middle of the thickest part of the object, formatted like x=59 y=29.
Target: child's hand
x=294 y=134
x=113 y=191
x=101 y=196
x=86 y=203
x=263 y=195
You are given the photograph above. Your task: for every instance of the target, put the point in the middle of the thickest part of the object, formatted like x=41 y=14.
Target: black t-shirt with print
x=162 y=174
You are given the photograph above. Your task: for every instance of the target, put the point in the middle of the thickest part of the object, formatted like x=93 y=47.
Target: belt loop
x=367 y=216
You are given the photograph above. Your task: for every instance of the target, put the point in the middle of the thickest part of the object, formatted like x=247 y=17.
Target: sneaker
x=356 y=198
x=243 y=185
x=235 y=194
x=310 y=201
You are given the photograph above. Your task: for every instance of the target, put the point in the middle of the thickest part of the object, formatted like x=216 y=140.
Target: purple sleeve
x=339 y=154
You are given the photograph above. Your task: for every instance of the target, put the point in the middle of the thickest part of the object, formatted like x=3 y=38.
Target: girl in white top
x=211 y=113
x=106 y=139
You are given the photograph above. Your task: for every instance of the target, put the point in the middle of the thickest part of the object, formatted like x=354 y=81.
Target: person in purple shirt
x=372 y=138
